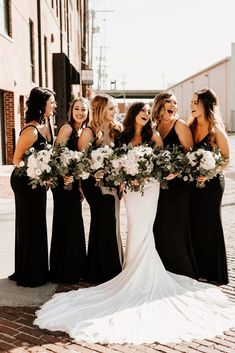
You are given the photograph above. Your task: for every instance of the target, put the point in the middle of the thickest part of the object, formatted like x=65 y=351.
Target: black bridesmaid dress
x=172 y=225
x=31 y=250
x=104 y=246
x=206 y=227
x=68 y=246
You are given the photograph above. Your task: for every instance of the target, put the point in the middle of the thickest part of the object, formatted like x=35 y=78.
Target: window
x=45 y=61
x=5 y=17
x=31 y=50
x=52 y=4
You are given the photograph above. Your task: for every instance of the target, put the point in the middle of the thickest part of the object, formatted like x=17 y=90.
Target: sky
x=151 y=44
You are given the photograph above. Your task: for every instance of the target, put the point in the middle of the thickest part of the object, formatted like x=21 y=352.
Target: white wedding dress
x=144 y=303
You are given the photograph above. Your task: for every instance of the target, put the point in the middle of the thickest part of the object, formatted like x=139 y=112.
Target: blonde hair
x=99 y=106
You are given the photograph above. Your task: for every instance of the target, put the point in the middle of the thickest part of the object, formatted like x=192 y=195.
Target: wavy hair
x=158 y=105
x=210 y=103
x=129 y=125
x=70 y=112
x=99 y=106
x=36 y=104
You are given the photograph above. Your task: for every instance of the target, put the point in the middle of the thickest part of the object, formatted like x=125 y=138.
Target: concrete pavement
x=18 y=334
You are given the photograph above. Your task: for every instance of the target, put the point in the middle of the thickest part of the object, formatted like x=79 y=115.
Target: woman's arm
x=221 y=140
x=25 y=141
x=157 y=139
x=85 y=139
x=64 y=134
x=185 y=135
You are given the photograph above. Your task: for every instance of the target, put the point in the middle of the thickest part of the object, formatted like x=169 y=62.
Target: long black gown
x=104 y=246
x=68 y=246
x=206 y=227
x=172 y=225
x=31 y=250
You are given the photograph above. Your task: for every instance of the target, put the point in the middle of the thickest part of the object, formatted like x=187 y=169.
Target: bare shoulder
x=181 y=124
x=221 y=140
x=86 y=137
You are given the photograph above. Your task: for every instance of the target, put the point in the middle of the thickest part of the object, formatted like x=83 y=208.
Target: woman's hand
x=171 y=176
x=201 y=180
x=68 y=180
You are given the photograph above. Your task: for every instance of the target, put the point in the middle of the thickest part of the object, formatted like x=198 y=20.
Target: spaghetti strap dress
x=206 y=227
x=31 y=248
x=104 y=259
x=172 y=225
x=68 y=246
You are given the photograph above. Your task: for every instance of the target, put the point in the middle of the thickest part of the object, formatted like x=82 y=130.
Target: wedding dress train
x=144 y=303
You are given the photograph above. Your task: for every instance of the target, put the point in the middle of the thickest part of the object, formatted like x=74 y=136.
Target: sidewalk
x=17 y=332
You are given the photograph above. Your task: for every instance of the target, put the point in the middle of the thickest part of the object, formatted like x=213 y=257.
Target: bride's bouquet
x=205 y=163
x=39 y=167
x=134 y=166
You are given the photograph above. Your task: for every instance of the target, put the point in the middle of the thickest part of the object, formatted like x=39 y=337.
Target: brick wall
x=22 y=122
x=8 y=99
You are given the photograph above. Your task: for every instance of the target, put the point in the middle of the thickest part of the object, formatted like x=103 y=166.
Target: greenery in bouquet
x=71 y=163
x=164 y=164
x=39 y=166
x=205 y=163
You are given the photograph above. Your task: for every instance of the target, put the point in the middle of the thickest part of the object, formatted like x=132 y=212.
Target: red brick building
x=42 y=43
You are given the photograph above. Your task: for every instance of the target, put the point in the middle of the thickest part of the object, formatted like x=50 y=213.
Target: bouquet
x=100 y=163
x=205 y=163
x=134 y=166
x=71 y=163
x=170 y=160
x=39 y=166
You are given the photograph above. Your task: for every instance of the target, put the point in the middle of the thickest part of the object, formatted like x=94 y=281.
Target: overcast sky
x=153 y=43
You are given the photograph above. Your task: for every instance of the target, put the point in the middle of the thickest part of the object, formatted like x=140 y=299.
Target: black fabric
x=172 y=225
x=206 y=227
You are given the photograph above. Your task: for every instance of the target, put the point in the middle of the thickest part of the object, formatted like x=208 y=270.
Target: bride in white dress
x=144 y=303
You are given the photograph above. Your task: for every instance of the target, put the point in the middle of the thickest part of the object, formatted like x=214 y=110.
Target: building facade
x=42 y=43
x=221 y=78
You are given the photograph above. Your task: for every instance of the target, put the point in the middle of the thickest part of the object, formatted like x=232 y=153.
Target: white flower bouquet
x=133 y=166
x=205 y=163
x=100 y=163
x=39 y=167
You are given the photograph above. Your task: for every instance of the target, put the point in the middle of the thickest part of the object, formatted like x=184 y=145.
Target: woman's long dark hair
x=209 y=100
x=36 y=104
x=129 y=125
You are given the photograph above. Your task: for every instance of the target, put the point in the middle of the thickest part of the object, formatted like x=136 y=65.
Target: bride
x=144 y=303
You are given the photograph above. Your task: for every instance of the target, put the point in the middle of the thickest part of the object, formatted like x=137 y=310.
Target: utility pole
x=93 y=31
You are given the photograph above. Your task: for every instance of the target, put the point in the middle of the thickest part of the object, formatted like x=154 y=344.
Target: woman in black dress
x=68 y=246
x=205 y=203
x=172 y=225
x=104 y=246
x=31 y=251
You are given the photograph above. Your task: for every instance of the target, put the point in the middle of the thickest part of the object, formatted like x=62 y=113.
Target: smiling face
x=143 y=116
x=197 y=108
x=110 y=111
x=79 y=112
x=170 y=107
x=50 y=107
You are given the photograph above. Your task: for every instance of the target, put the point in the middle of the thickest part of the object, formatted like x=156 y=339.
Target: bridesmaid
x=205 y=203
x=31 y=249
x=68 y=247
x=104 y=246
x=172 y=226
